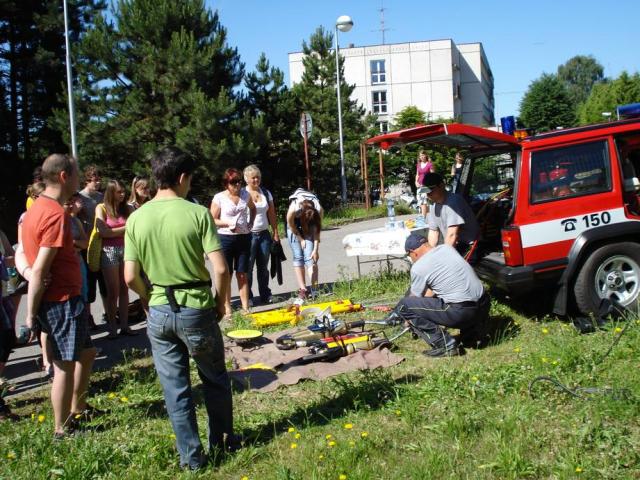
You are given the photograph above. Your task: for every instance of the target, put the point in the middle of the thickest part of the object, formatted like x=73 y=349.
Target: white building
x=441 y=78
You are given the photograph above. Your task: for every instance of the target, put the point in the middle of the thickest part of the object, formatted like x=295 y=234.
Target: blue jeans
x=174 y=338
x=300 y=257
x=260 y=252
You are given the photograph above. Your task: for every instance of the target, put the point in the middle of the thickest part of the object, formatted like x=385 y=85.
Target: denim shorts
x=67 y=327
x=236 y=249
x=301 y=258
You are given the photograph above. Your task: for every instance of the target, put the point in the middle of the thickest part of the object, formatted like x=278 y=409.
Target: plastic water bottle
x=391 y=214
x=23 y=335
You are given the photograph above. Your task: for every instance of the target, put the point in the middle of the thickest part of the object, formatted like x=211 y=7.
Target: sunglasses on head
x=235 y=181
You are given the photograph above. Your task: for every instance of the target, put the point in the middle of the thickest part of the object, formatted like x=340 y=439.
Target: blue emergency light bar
x=629 y=110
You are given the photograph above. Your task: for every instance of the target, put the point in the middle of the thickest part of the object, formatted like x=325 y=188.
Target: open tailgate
x=453 y=135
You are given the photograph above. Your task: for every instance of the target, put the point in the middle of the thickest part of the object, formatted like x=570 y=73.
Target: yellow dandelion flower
x=555 y=362
x=617 y=330
x=545 y=330
x=364 y=434
x=297 y=435
x=244 y=478
x=11 y=455
x=328 y=436
x=398 y=412
x=33 y=416
x=474 y=379
x=320 y=457
x=124 y=399
x=342 y=476
x=332 y=443
x=578 y=469
x=348 y=426
x=291 y=430
x=293 y=446
x=516 y=350
x=544 y=359
x=172 y=436
x=352 y=443
x=111 y=395
x=41 y=418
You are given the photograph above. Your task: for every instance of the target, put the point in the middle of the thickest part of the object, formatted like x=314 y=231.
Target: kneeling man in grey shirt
x=445 y=293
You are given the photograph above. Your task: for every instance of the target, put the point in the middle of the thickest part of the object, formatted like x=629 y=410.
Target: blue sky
x=522 y=40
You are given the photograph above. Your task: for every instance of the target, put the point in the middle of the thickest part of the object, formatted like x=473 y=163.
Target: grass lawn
x=469 y=417
x=347 y=215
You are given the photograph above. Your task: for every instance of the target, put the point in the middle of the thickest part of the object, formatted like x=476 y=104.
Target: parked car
x=560 y=208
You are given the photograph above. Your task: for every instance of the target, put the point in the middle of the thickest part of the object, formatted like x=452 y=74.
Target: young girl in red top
x=111 y=218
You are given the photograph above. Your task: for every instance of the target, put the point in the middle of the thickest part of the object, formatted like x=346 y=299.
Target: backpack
x=299 y=196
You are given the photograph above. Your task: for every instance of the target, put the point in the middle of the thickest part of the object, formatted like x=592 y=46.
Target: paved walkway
x=334 y=265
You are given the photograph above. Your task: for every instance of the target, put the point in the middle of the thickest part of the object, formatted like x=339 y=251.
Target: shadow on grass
x=536 y=305
x=372 y=390
x=498 y=329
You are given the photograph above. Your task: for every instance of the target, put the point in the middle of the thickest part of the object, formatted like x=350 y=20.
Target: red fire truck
x=558 y=209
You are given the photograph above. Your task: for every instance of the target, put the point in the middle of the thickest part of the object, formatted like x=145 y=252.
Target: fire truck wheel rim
x=618 y=278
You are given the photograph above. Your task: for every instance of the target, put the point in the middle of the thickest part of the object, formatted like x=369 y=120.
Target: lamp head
x=344 y=23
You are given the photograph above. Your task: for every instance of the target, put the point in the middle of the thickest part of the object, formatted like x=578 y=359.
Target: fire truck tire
x=611 y=271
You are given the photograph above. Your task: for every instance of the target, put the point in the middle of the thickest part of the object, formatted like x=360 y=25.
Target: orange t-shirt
x=46 y=224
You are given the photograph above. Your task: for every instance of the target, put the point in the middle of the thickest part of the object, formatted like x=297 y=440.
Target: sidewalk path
x=334 y=265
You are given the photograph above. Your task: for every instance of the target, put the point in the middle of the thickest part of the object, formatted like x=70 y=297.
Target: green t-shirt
x=169 y=237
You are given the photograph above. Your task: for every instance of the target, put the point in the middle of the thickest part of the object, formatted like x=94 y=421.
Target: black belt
x=482 y=299
x=464 y=304
x=169 y=291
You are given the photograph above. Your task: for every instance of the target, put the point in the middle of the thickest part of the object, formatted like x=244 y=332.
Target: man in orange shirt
x=48 y=247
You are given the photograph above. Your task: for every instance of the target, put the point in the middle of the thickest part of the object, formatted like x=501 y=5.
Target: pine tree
x=161 y=73
x=316 y=94
x=270 y=104
x=32 y=67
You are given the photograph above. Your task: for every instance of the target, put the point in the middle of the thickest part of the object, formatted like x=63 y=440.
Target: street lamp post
x=344 y=24
x=72 y=118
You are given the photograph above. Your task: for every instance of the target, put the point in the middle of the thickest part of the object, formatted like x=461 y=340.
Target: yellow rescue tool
x=295 y=313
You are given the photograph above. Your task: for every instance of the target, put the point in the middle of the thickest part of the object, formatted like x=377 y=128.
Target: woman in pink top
x=111 y=218
x=424 y=166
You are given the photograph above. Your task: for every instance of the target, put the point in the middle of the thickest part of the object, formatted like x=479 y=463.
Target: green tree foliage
x=606 y=96
x=547 y=105
x=271 y=105
x=400 y=163
x=161 y=73
x=316 y=94
x=408 y=117
x=580 y=74
x=32 y=79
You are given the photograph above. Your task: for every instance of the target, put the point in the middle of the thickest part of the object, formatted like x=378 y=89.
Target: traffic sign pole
x=305 y=136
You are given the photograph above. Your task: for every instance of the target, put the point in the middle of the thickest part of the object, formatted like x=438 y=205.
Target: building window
x=378 y=74
x=380 y=101
x=383 y=126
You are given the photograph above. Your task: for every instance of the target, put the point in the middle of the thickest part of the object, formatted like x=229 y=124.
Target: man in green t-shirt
x=168 y=238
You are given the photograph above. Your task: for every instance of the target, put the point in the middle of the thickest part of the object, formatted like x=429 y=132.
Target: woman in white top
x=260 y=237
x=233 y=212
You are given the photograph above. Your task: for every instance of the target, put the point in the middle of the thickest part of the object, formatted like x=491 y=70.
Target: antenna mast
x=382 y=28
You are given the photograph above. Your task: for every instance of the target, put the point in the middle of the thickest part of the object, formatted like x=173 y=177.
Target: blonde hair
x=250 y=171
x=134 y=198
x=35 y=189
